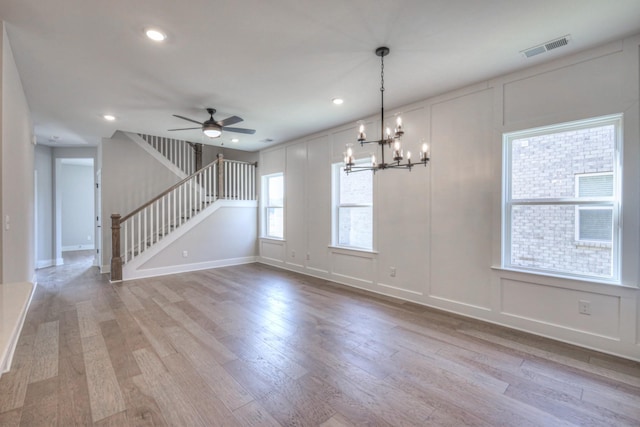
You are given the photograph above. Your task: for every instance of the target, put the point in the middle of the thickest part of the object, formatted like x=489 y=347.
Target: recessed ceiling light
x=235 y=140
x=155 y=35
x=337 y=101
x=109 y=117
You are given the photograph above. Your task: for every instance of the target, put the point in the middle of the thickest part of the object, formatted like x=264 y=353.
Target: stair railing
x=187 y=156
x=136 y=232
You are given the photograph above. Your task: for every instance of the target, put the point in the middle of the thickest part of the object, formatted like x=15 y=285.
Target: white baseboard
x=44 y=263
x=18 y=297
x=184 y=268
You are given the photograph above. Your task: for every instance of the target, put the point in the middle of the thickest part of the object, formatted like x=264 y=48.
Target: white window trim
x=508 y=203
x=266 y=206
x=335 y=212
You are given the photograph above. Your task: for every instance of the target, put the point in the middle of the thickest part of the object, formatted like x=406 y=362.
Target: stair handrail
x=167 y=191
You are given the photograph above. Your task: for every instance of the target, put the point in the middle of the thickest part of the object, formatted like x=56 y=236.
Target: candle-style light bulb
x=361 y=135
x=397 y=152
x=348 y=156
x=408 y=155
x=373 y=160
x=424 y=153
x=399 y=130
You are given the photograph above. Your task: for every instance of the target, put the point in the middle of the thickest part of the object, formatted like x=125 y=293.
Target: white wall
x=17 y=242
x=209 y=153
x=18 y=248
x=440 y=226
x=226 y=237
x=76 y=188
x=45 y=253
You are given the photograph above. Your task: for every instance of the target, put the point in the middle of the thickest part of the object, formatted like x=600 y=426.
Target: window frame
x=266 y=205
x=614 y=202
x=336 y=172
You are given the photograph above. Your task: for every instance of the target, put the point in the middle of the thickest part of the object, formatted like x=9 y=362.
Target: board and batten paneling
x=272 y=250
x=441 y=227
x=272 y=161
x=603 y=320
x=318 y=200
x=295 y=202
x=402 y=217
x=461 y=197
x=554 y=94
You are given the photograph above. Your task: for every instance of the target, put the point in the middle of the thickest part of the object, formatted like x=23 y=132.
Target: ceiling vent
x=545 y=47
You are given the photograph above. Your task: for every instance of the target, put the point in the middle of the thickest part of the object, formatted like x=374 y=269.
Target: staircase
x=178 y=208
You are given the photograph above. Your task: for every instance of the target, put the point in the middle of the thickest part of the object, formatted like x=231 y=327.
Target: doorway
x=74 y=206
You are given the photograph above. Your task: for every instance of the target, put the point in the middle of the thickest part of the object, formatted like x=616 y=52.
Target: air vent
x=545 y=47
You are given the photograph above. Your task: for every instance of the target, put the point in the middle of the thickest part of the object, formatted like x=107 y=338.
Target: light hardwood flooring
x=255 y=346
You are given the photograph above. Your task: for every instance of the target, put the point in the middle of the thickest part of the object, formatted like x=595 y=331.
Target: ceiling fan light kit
x=387 y=138
x=214 y=128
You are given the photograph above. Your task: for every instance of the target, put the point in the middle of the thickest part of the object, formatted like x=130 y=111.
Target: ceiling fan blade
x=230 y=121
x=187 y=119
x=240 y=130
x=200 y=127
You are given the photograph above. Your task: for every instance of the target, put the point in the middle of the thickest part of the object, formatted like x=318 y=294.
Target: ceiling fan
x=213 y=128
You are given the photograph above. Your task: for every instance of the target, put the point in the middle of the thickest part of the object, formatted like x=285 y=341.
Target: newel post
x=116 y=261
x=198 y=151
x=221 y=194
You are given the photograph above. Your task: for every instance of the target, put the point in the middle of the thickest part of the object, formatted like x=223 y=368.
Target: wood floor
x=255 y=346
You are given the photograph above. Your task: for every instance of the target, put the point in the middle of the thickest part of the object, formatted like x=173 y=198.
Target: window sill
x=550 y=275
x=347 y=249
x=273 y=239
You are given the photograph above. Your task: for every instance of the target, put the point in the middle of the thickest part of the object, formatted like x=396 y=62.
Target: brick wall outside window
x=543 y=236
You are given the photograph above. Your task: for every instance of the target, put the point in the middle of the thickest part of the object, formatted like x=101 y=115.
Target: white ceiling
x=275 y=63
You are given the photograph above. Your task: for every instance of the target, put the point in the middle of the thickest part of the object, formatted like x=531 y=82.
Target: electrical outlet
x=89 y=237
x=308 y=256
x=392 y=271
x=185 y=254
x=584 y=307
x=293 y=254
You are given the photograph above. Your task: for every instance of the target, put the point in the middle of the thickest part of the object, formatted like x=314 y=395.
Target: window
x=561 y=198
x=273 y=191
x=353 y=208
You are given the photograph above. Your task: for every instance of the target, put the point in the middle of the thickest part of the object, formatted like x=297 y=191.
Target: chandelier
x=387 y=139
